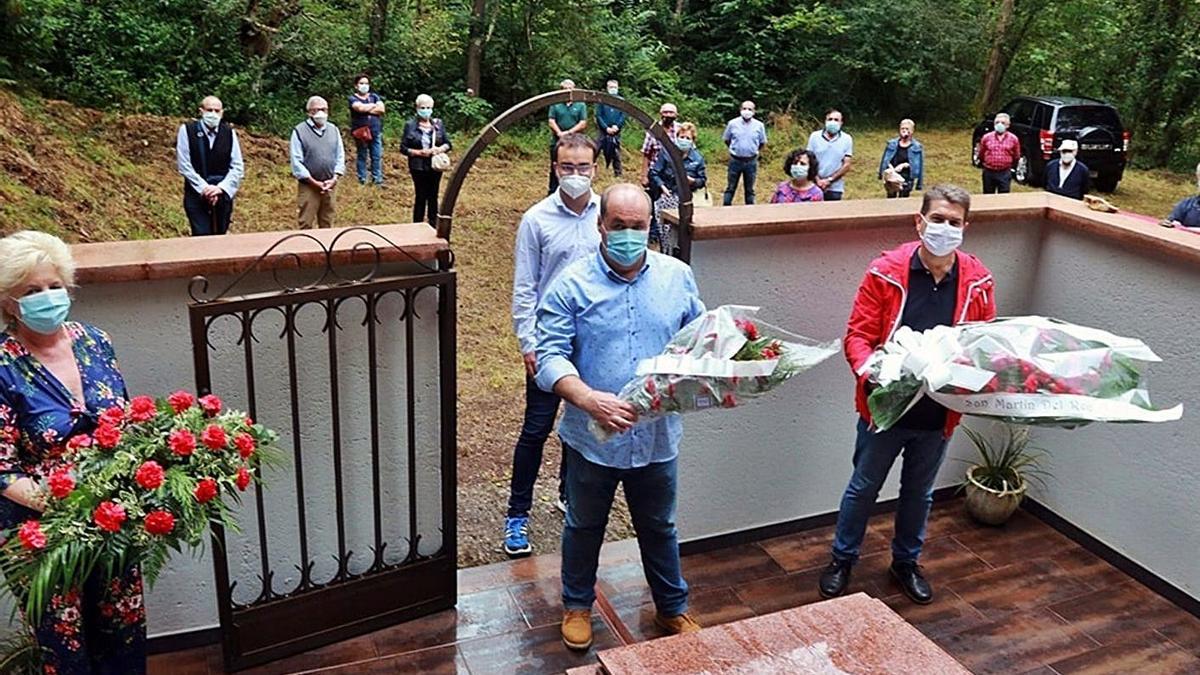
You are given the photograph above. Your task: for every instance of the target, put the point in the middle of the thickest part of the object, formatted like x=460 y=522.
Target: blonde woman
x=664 y=188
x=424 y=136
x=56 y=377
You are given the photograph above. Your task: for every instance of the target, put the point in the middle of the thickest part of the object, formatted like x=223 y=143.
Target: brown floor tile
x=729 y=567
x=708 y=607
x=532 y=652
x=540 y=601
x=1117 y=613
x=340 y=653
x=943 y=560
x=809 y=550
x=1022 y=538
x=945 y=519
x=1017 y=643
x=437 y=661
x=947 y=614
x=798 y=588
x=187 y=662
x=497 y=575
x=428 y=631
x=1090 y=568
x=1021 y=586
x=480 y=614
x=1184 y=630
x=1147 y=653
x=624 y=584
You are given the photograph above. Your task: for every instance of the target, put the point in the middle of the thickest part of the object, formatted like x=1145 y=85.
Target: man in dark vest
x=209 y=158
x=318 y=160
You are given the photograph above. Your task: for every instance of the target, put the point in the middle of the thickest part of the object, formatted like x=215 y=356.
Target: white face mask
x=211 y=119
x=575 y=186
x=747 y=114
x=612 y=91
x=319 y=118
x=941 y=239
x=364 y=88
x=1068 y=157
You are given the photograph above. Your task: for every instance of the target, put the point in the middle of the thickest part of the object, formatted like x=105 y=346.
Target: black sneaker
x=912 y=582
x=835 y=578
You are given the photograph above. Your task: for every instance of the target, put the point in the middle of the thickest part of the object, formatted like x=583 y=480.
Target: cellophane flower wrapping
x=722 y=358
x=1025 y=370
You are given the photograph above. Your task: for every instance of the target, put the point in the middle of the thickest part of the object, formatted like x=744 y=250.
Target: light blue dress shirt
x=550 y=237
x=597 y=325
x=744 y=138
x=183 y=161
x=296 y=152
x=830 y=154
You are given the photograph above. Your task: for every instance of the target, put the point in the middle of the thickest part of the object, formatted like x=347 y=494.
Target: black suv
x=1042 y=122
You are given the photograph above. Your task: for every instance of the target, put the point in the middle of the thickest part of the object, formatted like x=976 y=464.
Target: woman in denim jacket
x=905 y=156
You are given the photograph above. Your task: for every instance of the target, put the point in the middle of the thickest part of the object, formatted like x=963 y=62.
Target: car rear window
x=1077 y=117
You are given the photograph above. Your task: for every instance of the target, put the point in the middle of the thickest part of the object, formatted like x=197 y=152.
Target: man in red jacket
x=921 y=284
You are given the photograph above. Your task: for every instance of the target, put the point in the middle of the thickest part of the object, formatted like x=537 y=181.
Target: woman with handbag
x=426 y=144
x=366 y=126
x=664 y=188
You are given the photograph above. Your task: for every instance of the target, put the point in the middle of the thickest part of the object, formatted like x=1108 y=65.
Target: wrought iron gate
x=397 y=579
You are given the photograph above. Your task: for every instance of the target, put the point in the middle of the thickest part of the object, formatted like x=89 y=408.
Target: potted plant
x=998 y=480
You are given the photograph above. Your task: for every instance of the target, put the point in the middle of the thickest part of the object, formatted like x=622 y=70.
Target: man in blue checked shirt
x=553 y=233
x=604 y=314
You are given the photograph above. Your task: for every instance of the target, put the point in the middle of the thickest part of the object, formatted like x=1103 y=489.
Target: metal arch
x=531 y=105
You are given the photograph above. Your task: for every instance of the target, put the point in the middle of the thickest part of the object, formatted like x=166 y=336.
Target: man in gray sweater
x=318 y=159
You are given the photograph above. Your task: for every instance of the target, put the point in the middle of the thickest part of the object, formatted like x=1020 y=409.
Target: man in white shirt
x=209 y=157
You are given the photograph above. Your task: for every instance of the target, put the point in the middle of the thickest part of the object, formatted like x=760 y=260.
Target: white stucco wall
x=788 y=456
x=148 y=322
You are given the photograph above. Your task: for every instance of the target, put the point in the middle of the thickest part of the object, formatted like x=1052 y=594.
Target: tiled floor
x=1016 y=599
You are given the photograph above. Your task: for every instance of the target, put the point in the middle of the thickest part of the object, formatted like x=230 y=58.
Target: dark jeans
x=997 y=182
x=204 y=218
x=650 y=493
x=610 y=146
x=904 y=192
x=426 y=184
x=373 y=150
x=540 y=410
x=874 y=455
x=553 y=163
x=747 y=169
x=832 y=196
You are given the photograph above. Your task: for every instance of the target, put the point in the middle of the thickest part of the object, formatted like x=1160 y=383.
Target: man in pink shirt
x=999 y=154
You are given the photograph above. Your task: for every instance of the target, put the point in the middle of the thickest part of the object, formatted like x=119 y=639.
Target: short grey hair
x=424 y=98
x=947 y=193
x=619 y=188
x=314 y=99
x=1004 y=115
x=22 y=251
x=567 y=84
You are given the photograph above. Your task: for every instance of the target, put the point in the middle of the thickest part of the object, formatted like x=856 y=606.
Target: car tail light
x=1047 y=139
x=1126 y=136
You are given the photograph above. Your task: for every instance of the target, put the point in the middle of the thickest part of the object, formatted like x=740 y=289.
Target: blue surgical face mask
x=1000 y=127
x=684 y=144
x=799 y=171
x=425 y=113
x=44 y=312
x=626 y=247
x=832 y=127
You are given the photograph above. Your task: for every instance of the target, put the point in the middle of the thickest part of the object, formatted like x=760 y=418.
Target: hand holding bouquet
x=147 y=481
x=1025 y=370
x=720 y=359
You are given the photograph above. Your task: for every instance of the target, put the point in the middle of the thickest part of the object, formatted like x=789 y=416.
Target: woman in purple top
x=801 y=165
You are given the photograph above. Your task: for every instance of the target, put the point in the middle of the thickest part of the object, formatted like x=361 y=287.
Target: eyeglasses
x=576 y=169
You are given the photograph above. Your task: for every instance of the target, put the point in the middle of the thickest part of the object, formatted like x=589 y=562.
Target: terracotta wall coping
x=775 y=219
x=185 y=257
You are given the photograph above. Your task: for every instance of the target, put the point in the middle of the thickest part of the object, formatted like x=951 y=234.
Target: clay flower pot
x=990 y=506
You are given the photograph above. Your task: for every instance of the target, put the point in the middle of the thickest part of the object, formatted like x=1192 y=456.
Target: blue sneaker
x=516 y=537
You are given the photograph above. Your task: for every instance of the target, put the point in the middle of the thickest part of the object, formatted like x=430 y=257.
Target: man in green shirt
x=565 y=118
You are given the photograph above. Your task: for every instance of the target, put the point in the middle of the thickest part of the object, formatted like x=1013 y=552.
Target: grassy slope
x=89 y=177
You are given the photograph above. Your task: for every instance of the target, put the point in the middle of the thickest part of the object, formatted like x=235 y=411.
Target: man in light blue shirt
x=318 y=159
x=834 y=149
x=604 y=314
x=554 y=233
x=209 y=157
x=746 y=137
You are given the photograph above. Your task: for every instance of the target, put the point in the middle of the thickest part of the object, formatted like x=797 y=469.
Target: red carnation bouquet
x=1024 y=370
x=148 y=480
x=722 y=358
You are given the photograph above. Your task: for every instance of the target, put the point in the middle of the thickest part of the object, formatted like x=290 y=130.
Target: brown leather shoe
x=577 y=629
x=676 y=625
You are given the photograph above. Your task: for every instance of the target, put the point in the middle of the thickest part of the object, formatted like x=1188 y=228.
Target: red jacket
x=879 y=304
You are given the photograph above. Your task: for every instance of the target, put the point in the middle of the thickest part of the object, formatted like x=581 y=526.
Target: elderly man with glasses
x=553 y=233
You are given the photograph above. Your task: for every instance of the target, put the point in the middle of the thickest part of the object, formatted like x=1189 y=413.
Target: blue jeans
x=745 y=169
x=650 y=493
x=375 y=149
x=540 y=410
x=874 y=455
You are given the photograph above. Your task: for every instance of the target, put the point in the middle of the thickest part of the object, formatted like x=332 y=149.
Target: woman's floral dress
x=100 y=628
